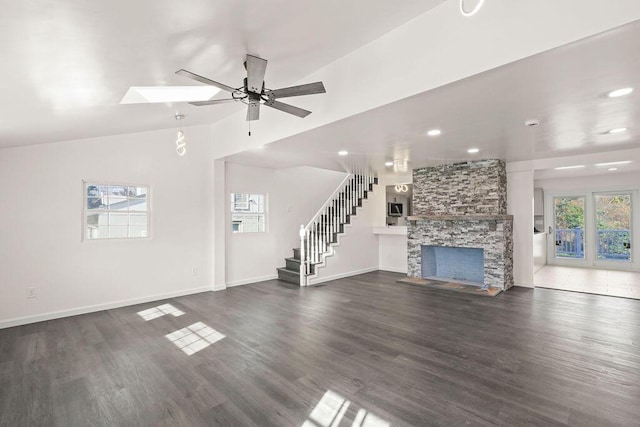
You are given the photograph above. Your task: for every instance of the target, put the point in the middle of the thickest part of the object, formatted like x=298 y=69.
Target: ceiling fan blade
x=308 y=89
x=212 y=102
x=287 y=108
x=256 y=67
x=204 y=80
x=253 y=111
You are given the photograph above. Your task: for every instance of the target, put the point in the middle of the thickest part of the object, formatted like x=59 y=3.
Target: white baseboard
x=98 y=307
x=318 y=280
x=252 y=280
x=524 y=285
x=393 y=269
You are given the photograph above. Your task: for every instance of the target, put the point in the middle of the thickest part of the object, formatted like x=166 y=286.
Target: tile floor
x=588 y=280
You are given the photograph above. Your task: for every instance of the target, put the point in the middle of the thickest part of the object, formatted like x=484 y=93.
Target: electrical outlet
x=194 y=271
x=31 y=292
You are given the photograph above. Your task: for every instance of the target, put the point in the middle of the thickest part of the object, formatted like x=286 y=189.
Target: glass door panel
x=613 y=227
x=568 y=217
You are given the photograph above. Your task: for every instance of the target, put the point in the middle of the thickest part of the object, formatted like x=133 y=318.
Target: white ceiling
x=68 y=64
x=565 y=88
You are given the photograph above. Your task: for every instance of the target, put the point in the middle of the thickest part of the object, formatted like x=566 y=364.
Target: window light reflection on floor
x=160 y=311
x=331 y=409
x=194 y=338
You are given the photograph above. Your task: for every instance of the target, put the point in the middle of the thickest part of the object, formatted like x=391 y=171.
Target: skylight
x=154 y=94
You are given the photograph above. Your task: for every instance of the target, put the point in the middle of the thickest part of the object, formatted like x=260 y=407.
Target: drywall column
x=520 y=205
x=219 y=211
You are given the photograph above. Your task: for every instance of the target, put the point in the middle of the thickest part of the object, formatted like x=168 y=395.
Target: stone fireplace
x=460 y=230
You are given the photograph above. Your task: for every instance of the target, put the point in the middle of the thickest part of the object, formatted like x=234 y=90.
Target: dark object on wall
x=394 y=209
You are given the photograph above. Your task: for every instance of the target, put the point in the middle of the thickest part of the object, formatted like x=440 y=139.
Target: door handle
x=550 y=230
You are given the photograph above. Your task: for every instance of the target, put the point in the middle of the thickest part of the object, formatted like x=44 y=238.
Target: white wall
x=41 y=216
x=539 y=251
x=520 y=205
x=294 y=196
x=392 y=249
x=392 y=252
x=610 y=181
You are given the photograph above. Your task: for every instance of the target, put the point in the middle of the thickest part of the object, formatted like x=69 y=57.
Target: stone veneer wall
x=478 y=187
x=494 y=236
x=457 y=192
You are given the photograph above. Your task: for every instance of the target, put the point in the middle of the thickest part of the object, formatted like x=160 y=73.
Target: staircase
x=319 y=237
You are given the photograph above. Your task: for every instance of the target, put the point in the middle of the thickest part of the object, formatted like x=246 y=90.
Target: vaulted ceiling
x=393 y=70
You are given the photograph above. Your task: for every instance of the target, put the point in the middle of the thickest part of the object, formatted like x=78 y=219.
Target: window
x=116 y=211
x=247 y=213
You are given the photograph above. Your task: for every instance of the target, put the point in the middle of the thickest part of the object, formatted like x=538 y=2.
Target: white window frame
x=86 y=212
x=248 y=212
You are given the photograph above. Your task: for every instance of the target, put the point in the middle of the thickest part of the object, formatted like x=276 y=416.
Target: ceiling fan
x=253 y=92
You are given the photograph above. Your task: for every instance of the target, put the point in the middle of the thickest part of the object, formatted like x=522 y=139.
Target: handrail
x=329 y=200
x=317 y=237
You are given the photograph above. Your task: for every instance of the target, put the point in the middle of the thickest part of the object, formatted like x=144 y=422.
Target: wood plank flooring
x=362 y=351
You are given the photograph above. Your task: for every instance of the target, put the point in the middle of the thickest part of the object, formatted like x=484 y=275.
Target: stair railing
x=316 y=237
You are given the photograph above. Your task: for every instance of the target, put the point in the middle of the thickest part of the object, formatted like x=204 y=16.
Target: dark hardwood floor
x=366 y=349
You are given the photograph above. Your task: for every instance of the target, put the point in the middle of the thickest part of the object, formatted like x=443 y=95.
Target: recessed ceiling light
x=387 y=164
x=620 y=92
x=434 y=132
x=473 y=150
x=569 y=167
x=623 y=162
x=612 y=169
x=153 y=94
x=617 y=130
x=343 y=153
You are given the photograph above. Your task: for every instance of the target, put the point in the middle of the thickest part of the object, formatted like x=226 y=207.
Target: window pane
x=138 y=219
x=569 y=222
x=117 y=231
x=138 y=231
x=117 y=203
x=97 y=232
x=117 y=190
x=239 y=202
x=118 y=219
x=613 y=227
x=137 y=192
x=137 y=204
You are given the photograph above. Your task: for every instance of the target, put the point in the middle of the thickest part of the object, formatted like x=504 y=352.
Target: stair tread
x=285 y=269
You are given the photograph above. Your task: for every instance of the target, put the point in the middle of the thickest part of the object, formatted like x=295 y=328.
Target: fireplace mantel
x=470 y=217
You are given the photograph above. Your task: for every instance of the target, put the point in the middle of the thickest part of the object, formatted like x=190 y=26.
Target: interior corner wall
x=42 y=215
x=294 y=195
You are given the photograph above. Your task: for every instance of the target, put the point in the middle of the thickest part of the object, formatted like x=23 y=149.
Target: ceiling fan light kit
x=254 y=93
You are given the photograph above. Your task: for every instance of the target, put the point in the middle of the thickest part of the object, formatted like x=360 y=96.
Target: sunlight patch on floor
x=159 y=311
x=331 y=410
x=194 y=338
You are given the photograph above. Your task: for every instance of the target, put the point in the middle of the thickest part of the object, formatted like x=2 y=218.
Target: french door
x=592 y=229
